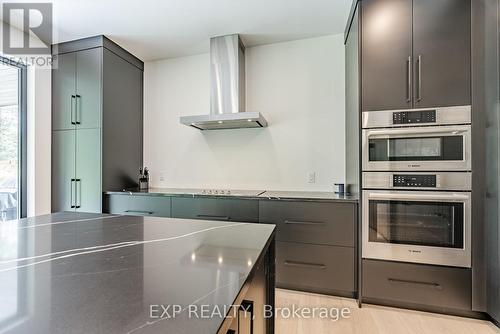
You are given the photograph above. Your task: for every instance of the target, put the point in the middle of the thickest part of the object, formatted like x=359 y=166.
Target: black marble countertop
x=246 y=194
x=92 y=273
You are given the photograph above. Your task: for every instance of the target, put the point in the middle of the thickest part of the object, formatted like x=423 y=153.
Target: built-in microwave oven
x=425 y=140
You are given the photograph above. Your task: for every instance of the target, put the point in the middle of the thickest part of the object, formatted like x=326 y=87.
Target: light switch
x=311 y=177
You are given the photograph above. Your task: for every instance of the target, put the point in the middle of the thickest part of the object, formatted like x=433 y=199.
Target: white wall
x=299 y=88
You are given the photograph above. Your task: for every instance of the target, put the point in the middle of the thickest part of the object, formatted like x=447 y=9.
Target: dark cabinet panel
x=442 y=52
x=63 y=92
x=63 y=170
x=88 y=170
x=155 y=206
x=88 y=88
x=216 y=209
x=418 y=284
x=386 y=37
x=317 y=268
x=311 y=222
x=122 y=119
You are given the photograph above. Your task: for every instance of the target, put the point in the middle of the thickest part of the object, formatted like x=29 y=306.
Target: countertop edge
x=258 y=197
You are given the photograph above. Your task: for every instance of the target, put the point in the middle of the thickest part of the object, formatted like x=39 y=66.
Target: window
x=12 y=140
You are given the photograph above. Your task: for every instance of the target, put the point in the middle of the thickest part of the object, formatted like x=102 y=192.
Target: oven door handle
x=452 y=197
x=451 y=131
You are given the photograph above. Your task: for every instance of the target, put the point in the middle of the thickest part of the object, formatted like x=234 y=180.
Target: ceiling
x=157 y=29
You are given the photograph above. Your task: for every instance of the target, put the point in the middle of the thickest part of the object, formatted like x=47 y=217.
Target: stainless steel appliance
x=404 y=221
x=227 y=91
x=421 y=139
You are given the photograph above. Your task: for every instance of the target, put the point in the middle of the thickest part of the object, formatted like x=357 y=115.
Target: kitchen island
x=98 y=273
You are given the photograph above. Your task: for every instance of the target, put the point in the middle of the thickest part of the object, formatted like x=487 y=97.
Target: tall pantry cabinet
x=97 y=122
x=411 y=54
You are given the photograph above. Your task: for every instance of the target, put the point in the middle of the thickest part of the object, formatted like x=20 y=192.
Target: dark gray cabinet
x=415 y=53
x=82 y=165
x=417 y=285
x=63 y=92
x=63 y=161
x=316 y=244
x=311 y=222
x=442 y=53
x=88 y=88
x=77 y=158
x=386 y=57
x=77 y=90
x=486 y=150
x=317 y=268
x=240 y=210
x=87 y=172
x=155 y=206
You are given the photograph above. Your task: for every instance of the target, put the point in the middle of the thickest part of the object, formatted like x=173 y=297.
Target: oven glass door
x=417 y=149
x=432 y=227
x=424 y=148
x=409 y=222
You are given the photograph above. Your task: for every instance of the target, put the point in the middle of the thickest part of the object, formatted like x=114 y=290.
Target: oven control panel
x=406 y=180
x=413 y=117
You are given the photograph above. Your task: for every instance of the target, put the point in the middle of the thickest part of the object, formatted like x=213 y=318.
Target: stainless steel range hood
x=227 y=91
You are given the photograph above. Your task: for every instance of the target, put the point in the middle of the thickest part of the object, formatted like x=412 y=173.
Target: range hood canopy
x=227 y=91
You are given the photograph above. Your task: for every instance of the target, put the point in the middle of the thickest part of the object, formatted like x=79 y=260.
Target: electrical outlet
x=162 y=176
x=311 y=177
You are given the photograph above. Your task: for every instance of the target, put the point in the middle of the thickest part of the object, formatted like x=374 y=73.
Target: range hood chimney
x=227 y=91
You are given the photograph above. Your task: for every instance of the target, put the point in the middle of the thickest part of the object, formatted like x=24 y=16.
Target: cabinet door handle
x=71 y=112
x=293 y=222
x=214 y=217
x=77 y=99
x=141 y=212
x=305 y=264
x=419 y=78
x=408 y=75
x=78 y=193
x=72 y=190
x=436 y=286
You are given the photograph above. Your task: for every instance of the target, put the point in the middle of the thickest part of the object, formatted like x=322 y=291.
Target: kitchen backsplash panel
x=298 y=85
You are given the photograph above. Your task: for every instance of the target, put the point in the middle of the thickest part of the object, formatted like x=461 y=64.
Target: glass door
x=420 y=148
x=432 y=227
x=421 y=223
x=12 y=141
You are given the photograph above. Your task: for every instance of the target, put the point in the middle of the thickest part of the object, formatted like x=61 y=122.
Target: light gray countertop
x=247 y=194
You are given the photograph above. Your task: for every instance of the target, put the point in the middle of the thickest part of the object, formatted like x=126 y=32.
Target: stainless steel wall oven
x=416 y=140
x=417 y=186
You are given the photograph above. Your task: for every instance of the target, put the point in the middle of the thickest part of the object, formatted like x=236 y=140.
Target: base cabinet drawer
x=311 y=222
x=317 y=268
x=155 y=206
x=216 y=209
x=417 y=284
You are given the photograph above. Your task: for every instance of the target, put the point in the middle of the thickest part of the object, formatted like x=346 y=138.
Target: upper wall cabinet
x=77 y=90
x=415 y=54
x=386 y=54
x=442 y=53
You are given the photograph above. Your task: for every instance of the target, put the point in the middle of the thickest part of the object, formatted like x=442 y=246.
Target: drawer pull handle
x=294 y=222
x=141 y=212
x=436 y=286
x=214 y=217
x=305 y=264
